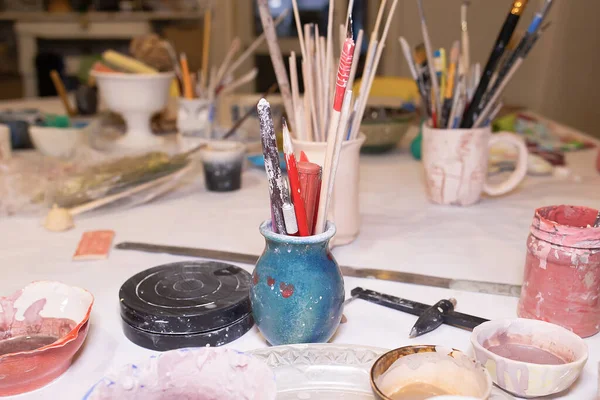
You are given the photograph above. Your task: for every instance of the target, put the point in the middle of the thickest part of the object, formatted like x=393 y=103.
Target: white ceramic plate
x=326 y=371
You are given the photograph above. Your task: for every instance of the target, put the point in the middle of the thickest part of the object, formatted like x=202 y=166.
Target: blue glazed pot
x=297 y=289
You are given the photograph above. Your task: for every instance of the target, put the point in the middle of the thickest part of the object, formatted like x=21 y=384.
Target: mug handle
x=521 y=169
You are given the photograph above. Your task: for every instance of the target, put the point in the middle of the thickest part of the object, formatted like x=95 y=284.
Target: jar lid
x=186 y=298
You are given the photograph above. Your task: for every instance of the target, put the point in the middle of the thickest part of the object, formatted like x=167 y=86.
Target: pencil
x=503 y=38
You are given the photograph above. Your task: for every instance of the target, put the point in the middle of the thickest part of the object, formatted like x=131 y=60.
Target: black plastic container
x=186 y=304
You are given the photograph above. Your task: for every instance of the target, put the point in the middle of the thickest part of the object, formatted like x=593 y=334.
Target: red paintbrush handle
x=343 y=73
x=309 y=175
x=295 y=190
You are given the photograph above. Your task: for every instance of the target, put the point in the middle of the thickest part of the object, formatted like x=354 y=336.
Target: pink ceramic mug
x=456 y=164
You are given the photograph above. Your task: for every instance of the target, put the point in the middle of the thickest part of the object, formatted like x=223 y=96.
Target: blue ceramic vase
x=297 y=289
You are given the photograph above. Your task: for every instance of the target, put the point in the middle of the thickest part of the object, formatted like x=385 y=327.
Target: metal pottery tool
x=452 y=318
x=395 y=276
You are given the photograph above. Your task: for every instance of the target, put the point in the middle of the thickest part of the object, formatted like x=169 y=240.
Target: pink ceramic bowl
x=41 y=327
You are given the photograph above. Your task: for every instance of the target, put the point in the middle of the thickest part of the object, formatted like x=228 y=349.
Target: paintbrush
x=62 y=93
x=483 y=116
x=436 y=104
x=206 y=48
x=277 y=59
x=424 y=77
x=465 y=61
x=503 y=38
x=415 y=75
x=271 y=155
x=449 y=94
x=240 y=121
x=244 y=79
x=439 y=63
x=185 y=73
x=532 y=31
x=257 y=42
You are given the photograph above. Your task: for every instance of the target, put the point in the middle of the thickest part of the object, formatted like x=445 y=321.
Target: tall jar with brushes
x=297 y=289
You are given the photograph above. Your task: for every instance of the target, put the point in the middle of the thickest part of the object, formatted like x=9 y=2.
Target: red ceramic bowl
x=41 y=328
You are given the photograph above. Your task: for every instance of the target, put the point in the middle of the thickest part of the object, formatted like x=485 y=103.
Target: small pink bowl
x=29 y=321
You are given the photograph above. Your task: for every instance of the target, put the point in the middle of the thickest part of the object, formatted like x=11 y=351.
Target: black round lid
x=186 y=297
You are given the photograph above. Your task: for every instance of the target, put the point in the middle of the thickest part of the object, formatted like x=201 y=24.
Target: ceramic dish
x=428 y=370
x=526 y=379
x=56 y=142
x=201 y=374
x=384 y=128
x=41 y=327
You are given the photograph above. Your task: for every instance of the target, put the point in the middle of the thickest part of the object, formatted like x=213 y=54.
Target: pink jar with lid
x=562 y=269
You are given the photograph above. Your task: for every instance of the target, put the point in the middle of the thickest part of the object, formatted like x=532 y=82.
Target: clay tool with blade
x=452 y=318
x=432 y=318
x=367 y=273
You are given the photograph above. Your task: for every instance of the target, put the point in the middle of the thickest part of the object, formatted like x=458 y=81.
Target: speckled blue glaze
x=297 y=289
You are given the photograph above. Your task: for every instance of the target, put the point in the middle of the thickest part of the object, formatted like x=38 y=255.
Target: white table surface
x=400 y=231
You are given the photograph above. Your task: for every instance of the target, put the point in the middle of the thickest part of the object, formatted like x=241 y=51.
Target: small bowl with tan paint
x=429 y=371
x=526 y=379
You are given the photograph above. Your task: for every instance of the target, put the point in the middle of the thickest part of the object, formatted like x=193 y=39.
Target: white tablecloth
x=400 y=231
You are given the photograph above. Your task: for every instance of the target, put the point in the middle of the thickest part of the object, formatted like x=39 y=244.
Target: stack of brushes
x=458 y=94
x=326 y=113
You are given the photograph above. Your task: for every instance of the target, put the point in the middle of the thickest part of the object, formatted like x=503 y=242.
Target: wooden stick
x=299 y=28
x=373 y=71
x=277 y=59
x=257 y=42
x=371 y=50
x=206 y=46
x=319 y=80
x=323 y=63
x=299 y=132
x=355 y=58
x=248 y=77
x=332 y=156
x=308 y=93
x=233 y=49
x=329 y=69
x=309 y=82
x=62 y=93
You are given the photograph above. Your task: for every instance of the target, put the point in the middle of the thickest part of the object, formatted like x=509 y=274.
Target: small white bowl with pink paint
x=529 y=358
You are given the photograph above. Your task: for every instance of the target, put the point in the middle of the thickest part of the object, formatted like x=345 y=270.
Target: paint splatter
x=255 y=278
x=270 y=281
x=330 y=256
x=286 y=290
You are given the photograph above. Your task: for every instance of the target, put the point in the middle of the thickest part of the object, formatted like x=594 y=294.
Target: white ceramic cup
x=194 y=117
x=456 y=164
x=5 y=144
x=344 y=210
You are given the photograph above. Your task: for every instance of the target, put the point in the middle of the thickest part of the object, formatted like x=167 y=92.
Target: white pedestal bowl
x=136 y=97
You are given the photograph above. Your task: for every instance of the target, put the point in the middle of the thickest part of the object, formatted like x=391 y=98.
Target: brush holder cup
x=456 y=164
x=297 y=289
x=195 y=117
x=344 y=208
